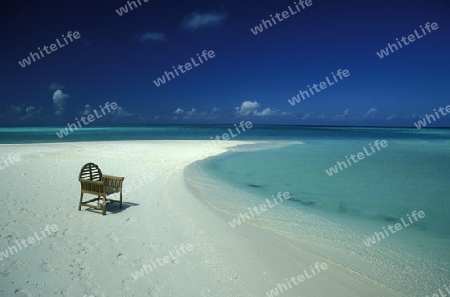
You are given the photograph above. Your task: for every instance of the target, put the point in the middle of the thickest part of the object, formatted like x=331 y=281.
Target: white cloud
x=213 y=114
x=21 y=113
x=87 y=110
x=152 y=36
x=198 y=20
x=370 y=112
x=391 y=117
x=267 y=112
x=247 y=108
x=30 y=112
x=179 y=111
x=341 y=116
x=121 y=112
x=192 y=112
x=187 y=114
x=250 y=108
x=59 y=99
x=306 y=116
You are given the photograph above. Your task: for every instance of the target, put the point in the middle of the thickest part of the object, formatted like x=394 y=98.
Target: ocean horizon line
x=227 y=124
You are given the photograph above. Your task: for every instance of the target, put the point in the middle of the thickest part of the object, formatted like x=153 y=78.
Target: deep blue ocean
x=410 y=174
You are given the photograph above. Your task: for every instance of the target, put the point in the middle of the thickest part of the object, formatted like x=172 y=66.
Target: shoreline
x=280 y=255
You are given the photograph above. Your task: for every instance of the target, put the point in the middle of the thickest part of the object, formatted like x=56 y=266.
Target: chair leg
x=81 y=200
x=120 y=199
x=104 y=205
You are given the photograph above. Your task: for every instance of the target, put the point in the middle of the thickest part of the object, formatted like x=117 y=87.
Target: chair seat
x=111 y=190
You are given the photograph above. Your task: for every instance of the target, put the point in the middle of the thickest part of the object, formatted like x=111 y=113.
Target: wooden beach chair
x=94 y=182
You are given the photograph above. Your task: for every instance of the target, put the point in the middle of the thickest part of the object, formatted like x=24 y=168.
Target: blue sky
x=117 y=58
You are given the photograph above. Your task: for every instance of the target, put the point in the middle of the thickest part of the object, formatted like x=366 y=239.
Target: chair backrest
x=90 y=171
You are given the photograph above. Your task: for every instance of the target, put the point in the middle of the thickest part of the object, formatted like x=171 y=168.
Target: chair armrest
x=105 y=176
x=113 y=181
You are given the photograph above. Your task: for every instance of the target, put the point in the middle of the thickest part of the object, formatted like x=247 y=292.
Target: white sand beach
x=96 y=255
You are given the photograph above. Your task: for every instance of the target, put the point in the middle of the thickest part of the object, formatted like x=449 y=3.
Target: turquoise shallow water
x=384 y=187
x=411 y=173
